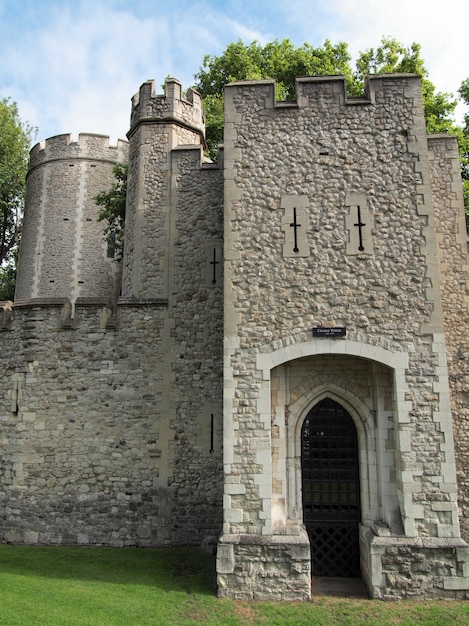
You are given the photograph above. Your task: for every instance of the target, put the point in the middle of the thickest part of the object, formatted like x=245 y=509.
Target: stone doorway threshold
x=345 y=587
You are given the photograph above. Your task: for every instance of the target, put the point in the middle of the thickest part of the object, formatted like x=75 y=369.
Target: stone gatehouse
x=278 y=365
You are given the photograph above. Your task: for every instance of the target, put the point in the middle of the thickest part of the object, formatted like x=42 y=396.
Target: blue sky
x=73 y=65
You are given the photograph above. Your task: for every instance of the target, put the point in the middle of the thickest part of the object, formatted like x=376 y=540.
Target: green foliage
x=464 y=93
x=279 y=60
x=113 y=210
x=283 y=62
x=15 y=141
x=56 y=585
x=215 y=117
x=464 y=148
x=392 y=56
x=8 y=280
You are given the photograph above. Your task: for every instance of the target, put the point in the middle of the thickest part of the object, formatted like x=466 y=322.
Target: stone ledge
x=98 y=302
x=265 y=540
x=456 y=583
x=420 y=542
x=39 y=302
x=417 y=567
x=142 y=301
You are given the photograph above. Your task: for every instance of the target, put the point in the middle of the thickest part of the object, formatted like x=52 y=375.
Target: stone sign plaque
x=334 y=331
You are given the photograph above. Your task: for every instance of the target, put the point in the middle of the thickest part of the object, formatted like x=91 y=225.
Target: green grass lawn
x=53 y=586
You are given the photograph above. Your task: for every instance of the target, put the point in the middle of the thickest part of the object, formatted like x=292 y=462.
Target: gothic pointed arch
x=366 y=389
x=330 y=479
x=365 y=425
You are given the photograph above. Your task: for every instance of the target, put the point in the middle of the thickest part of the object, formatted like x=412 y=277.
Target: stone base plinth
x=415 y=567
x=258 y=567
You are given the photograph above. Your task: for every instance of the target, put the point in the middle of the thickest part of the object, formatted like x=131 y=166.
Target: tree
x=464 y=148
x=15 y=141
x=392 y=56
x=113 y=210
x=8 y=281
x=283 y=62
x=279 y=60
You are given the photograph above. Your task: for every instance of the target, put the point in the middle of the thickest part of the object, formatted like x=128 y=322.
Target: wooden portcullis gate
x=331 y=489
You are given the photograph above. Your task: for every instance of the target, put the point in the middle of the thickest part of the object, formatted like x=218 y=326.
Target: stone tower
x=159 y=125
x=62 y=253
x=334 y=324
x=119 y=402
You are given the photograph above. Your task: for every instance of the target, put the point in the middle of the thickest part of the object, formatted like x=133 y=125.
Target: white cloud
x=84 y=71
x=73 y=65
x=439 y=29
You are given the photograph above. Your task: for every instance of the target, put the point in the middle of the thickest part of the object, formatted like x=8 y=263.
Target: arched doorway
x=331 y=489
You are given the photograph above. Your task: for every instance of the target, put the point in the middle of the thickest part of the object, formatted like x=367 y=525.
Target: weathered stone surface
x=350 y=165
x=253 y=567
x=161 y=413
x=419 y=568
x=111 y=412
x=62 y=249
x=89 y=455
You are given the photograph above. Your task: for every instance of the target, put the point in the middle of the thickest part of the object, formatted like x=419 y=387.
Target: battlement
x=88 y=146
x=171 y=106
x=311 y=88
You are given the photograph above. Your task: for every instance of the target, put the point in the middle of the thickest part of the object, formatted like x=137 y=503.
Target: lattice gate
x=331 y=490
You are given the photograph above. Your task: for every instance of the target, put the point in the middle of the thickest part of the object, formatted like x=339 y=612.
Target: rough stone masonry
x=310 y=283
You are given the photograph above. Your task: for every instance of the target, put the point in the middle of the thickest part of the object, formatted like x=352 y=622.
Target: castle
x=279 y=364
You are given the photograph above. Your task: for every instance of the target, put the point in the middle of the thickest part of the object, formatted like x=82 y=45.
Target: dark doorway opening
x=331 y=490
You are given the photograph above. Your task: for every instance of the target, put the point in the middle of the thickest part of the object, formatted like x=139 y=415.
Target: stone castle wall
x=452 y=251
x=148 y=106
x=111 y=423
x=166 y=414
x=90 y=455
x=332 y=152
x=159 y=124
x=330 y=222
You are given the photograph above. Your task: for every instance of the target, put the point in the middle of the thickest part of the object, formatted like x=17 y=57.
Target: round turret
x=170 y=107
x=62 y=252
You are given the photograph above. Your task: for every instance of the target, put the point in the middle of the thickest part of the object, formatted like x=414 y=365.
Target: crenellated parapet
x=172 y=106
x=88 y=146
x=311 y=89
